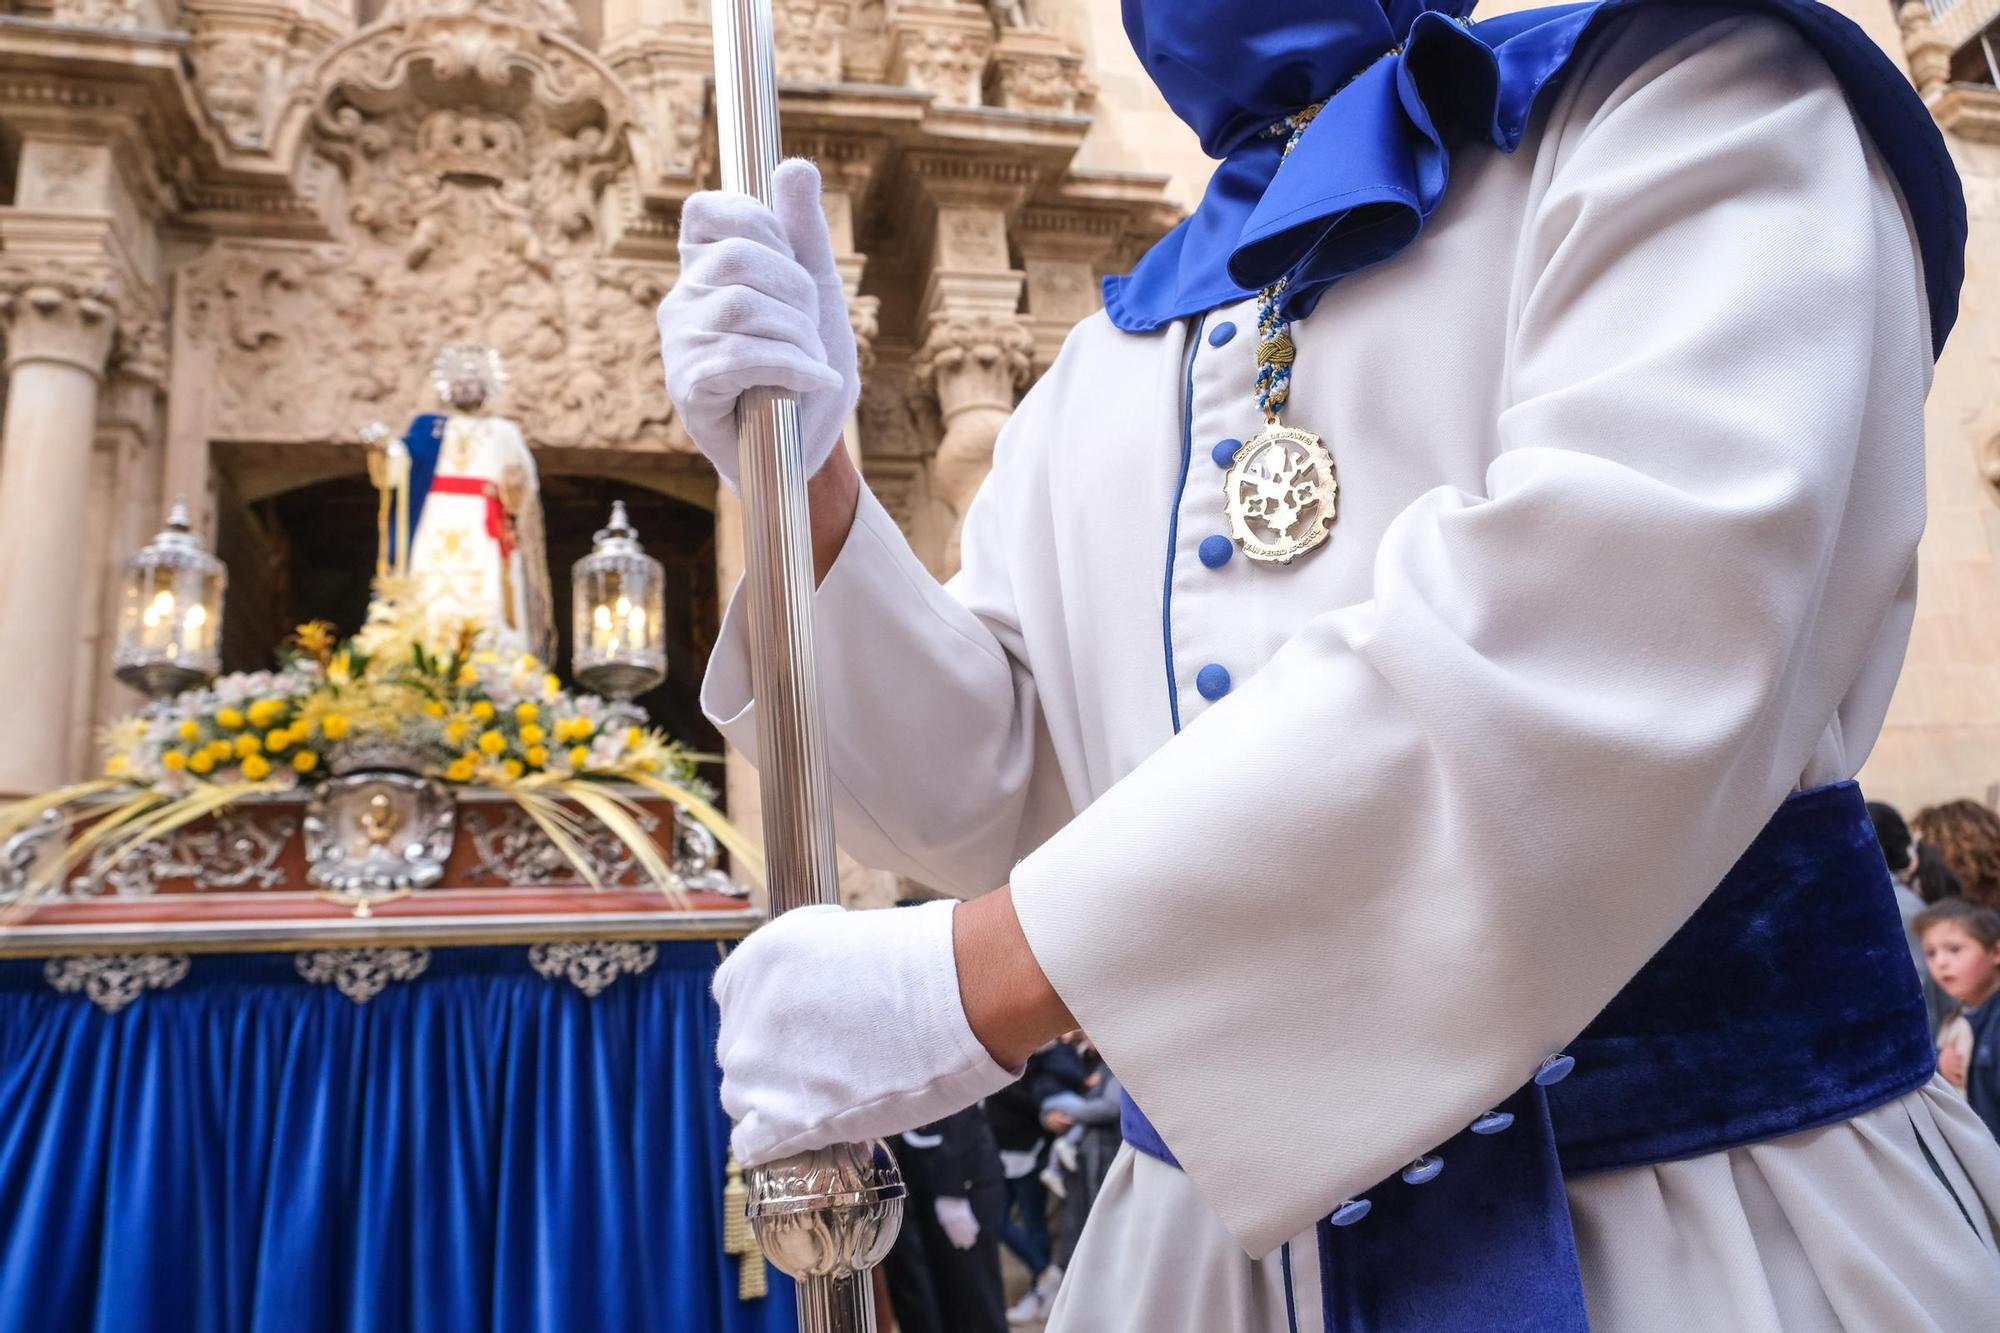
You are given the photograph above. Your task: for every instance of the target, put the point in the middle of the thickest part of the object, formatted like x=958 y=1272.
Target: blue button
x=1212 y=680
x=1350 y=1212
x=1221 y=333
x=1423 y=1170
x=1493 y=1122
x=1552 y=1070
x=1224 y=452
x=1215 y=552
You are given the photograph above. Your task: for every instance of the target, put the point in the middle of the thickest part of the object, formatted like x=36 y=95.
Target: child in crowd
x=1962 y=949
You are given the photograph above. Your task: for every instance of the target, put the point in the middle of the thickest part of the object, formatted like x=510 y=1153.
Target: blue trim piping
x=1174 y=525
x=1291 y=1304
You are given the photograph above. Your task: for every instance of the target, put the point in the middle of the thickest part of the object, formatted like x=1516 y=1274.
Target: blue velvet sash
x=1787 y=1002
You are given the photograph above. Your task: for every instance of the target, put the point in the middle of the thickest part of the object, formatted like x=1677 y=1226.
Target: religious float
x=380 y=978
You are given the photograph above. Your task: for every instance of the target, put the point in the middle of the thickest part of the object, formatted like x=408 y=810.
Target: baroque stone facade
x=236 y=230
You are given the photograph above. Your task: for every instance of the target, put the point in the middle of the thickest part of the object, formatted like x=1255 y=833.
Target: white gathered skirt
x=1843 y=1228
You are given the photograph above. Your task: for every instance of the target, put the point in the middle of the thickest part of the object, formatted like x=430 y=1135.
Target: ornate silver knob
x=828 y=1213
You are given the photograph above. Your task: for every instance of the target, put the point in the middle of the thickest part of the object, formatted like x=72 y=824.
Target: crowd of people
x=1019 y=1171
x=1945 y=861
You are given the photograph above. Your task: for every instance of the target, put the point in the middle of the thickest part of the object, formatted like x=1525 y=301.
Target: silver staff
x=824 y=1217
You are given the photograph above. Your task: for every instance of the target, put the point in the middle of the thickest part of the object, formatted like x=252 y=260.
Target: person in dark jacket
x=1015 y=1113
x=944 y=1272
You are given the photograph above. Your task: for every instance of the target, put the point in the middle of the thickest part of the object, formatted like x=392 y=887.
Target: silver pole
x=824 y=1217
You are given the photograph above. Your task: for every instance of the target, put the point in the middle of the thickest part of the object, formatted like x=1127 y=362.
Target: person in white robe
x=1629 y=450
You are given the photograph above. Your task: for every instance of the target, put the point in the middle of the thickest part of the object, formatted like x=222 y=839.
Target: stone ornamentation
x=361 y=974
x=111 y=981
x=591 y=965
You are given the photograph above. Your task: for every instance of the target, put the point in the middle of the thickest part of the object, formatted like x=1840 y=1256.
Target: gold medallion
x=1280 y=494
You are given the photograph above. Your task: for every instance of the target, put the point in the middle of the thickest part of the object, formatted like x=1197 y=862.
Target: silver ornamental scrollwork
x=361 y=974
x=113 y=980
x=513 y=849
x=236 y=851
x=377 y=835
x=591 y=965
x=24 y=851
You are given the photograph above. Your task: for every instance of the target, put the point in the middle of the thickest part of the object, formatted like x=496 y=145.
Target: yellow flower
x=229 y=717
x=341 y=669
x=532 y=734
x=434 y=708
x=460 y=770
x=201 y=762
x=266 y=711
x=468 y=674
x=579 y=756
x=527 y=712
x=537 y=755
x=333 y=726
x=491 y=742
x=256 y=768
x=173 y=761
x=512 y=768
x=247 y=744
x=315 y=637
x=219 y=750
x=116 y=766
x=483 y=711
x=305 y=761
x=582 y=728
x=278 y=740
x=189 y=731
x=551 y=686
x=633 y=735
x=455 y=731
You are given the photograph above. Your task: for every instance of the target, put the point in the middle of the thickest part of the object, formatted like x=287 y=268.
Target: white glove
x=839 y=1026
x=759 y=305
x=961 y=1228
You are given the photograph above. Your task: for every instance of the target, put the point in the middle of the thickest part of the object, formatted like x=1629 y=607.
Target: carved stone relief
x=467 y=167
x=809 y=36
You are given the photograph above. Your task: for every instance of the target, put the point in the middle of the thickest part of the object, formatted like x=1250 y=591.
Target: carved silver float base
x=113 y=980
x=361 y=974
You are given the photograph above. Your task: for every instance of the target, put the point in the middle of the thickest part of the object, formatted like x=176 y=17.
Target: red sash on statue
x=499 y=523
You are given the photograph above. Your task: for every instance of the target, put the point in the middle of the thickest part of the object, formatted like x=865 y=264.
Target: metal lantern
x=619 y=646
x=170 y=625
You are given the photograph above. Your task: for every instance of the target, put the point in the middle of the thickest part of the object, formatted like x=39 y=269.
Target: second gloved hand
x=839 y=1026
x=961 y=1228
x=759 y=305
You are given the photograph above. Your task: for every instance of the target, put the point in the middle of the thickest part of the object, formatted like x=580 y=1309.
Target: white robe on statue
x=1630 y=449
x=478 y=555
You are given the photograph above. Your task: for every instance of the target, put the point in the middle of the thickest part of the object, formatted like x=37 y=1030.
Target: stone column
x=975 y=350
x=59 y=334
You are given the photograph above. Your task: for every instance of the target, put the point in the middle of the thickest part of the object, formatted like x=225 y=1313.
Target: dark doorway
x=309 y=554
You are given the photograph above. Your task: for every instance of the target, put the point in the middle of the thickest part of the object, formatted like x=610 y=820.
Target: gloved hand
x=839 y=1026
x=961 y=1228
x=759 y=305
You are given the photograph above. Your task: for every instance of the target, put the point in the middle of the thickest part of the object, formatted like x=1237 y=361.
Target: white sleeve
x=939 y=758
x=1354 y=903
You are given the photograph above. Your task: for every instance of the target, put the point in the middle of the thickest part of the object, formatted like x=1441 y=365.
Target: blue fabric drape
x=480 y=1148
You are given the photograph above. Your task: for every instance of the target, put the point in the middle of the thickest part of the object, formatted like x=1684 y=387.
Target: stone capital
x=69 y=319
x=1036 y=70
x=810 y=37
x=1929 y=50
x=940 y=49
x=973 y=361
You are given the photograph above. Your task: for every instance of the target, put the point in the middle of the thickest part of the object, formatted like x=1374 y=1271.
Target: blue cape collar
x=1407 y=81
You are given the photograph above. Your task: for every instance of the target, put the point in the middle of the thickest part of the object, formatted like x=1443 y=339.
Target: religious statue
x=466 y=491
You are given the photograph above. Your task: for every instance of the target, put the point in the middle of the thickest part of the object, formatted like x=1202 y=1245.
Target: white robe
x=1630 y=448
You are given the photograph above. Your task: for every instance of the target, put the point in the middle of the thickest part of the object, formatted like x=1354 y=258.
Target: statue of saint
x=477 y=554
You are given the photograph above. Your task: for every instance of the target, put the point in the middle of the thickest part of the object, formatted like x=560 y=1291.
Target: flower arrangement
x=401 y=693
